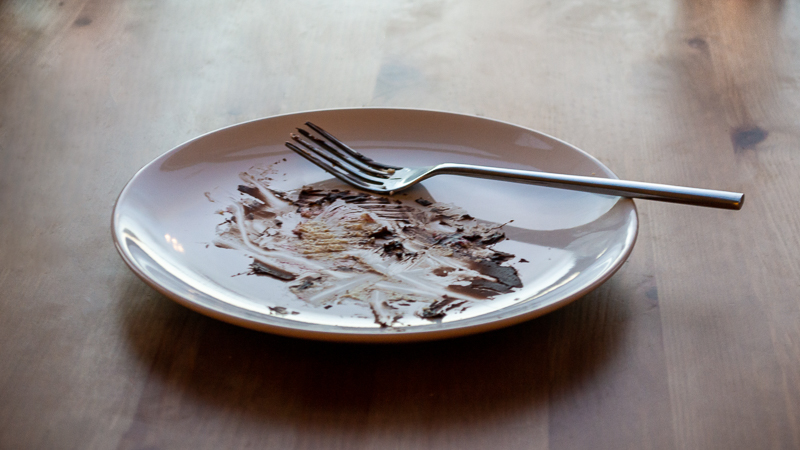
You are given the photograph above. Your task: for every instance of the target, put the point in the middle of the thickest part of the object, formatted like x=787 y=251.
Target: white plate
x=165 y=220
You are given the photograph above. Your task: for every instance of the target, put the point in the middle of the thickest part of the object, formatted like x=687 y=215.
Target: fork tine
x=332 y=169
x=344 y=156
x=339 y=164
x=350 y=151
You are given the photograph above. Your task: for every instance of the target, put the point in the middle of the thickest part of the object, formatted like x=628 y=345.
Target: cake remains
x=390 y=254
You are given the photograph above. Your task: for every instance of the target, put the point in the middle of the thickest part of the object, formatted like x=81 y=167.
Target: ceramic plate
x=234 y=225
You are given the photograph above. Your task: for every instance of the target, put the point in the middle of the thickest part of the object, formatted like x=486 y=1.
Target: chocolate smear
x=252 y=192
x=505 y=280
x=438 y=309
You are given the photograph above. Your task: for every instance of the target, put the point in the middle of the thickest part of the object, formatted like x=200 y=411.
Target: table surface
x=693 y=344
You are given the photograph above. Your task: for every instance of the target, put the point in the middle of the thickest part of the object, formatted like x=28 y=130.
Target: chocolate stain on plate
x=330 y=244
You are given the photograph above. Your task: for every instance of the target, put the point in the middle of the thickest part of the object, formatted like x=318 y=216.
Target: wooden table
x=693 y=344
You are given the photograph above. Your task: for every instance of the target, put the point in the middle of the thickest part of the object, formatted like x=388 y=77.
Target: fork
x=350 y=166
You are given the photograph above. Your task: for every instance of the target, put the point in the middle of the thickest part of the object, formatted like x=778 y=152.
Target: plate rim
x=352 y=334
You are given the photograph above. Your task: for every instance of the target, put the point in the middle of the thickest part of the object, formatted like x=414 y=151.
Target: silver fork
x=346 y=164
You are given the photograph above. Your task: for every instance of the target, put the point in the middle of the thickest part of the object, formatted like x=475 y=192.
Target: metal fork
x=346 y=164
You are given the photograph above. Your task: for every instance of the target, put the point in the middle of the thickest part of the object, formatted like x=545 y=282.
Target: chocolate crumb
x=442 y=271
x=278 y=309
x=499 y=256
x=493 y=238
x=261 y=268
x=382 y=233
x=307 y=283
x=394 y=247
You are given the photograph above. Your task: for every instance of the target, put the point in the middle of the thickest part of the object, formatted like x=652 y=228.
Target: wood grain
x=693 y=344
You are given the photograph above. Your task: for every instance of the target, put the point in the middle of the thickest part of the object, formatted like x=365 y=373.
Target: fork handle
x=607 y=186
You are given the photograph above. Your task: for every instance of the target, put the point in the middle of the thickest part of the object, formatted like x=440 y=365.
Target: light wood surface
x=693 y=344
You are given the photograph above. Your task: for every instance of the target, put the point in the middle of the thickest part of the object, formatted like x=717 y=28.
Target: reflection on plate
x=234 y=225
